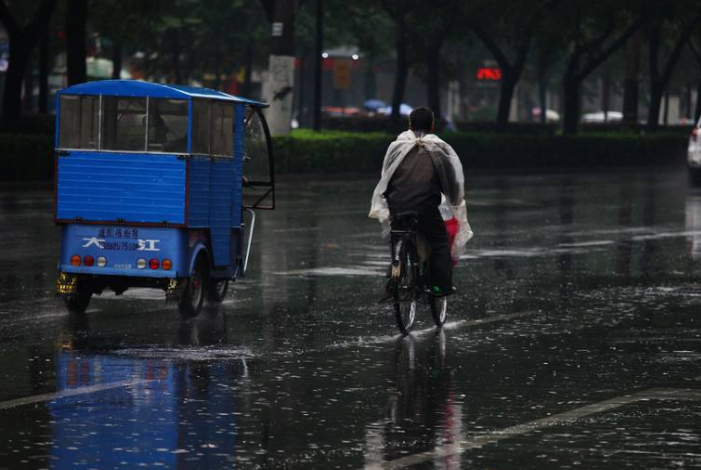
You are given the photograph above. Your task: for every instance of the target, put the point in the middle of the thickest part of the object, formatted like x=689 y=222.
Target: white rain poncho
x=450 y=175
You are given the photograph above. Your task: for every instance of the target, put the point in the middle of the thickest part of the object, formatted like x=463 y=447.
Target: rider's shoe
x=437 y=291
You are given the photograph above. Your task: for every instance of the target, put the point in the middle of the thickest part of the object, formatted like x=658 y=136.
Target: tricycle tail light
x=141 y=263
x=101 y=261
x=89 y=261
x=76 y=261
x=167 y=264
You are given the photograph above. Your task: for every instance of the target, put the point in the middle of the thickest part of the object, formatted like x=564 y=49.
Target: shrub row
x=29 y=157
x=330 y=151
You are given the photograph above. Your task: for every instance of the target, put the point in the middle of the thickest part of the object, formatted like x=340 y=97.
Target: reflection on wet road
x=574 y=342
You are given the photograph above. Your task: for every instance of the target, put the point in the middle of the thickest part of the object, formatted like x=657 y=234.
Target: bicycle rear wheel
x=439 y=309
x=405 y=302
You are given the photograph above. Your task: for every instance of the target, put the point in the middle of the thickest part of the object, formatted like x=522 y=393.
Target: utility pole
x=631 y=85
x=279 y=82
x=318 y=51
x=44 y=72
x=76 y=19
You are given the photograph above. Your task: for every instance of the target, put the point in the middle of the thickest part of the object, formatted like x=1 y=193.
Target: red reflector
x=88 y=261
x=75 y=260
x=153 y=263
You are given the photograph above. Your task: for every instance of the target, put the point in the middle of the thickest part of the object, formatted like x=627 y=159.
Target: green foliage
x=331 y=151
x=337 y=151
x=185 y=40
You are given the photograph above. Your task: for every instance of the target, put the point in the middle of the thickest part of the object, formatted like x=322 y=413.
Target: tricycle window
x=200 y=127
x=79 y=124
x=256 y=158
x=212 y=128
x=114 y=123
x=167 y=125
x=222 y=129
x=123 y=124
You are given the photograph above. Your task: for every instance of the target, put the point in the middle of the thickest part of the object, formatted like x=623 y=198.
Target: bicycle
x=409 y=282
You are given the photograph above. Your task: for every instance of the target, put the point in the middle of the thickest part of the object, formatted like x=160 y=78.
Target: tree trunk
x=543 y=100
x=631 y=83
x=660 y=79
x=279 y=84
x=370 y=84
x=44 y=73
x=665 y=110
x=401 y=73
x=318 y=70
x=22 y=42
x=246 y=89
x=76 y=53
x=433 y=87
x=542 y=89
x=606 y=95
x=175 y=56
x=509 y=79
x=117 y=60
x=697 y=111
x=653 y=115
x=12 y=97
x=29 y=87
x=571 y=95
x=217 y=68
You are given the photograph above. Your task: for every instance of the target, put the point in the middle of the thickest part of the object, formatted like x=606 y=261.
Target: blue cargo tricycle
x=155 y=187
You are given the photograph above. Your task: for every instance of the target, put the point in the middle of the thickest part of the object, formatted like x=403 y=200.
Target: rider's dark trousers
x=432 y=226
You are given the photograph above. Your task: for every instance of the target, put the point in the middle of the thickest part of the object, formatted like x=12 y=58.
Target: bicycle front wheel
x=405 y=302
x=439 y=310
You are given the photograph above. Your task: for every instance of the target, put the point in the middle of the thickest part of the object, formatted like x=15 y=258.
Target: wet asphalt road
x=574 y=342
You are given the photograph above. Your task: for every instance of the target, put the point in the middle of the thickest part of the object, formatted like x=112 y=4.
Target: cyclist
x=418 y=168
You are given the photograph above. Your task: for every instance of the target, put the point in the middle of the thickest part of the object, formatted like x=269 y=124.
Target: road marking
x=655 y=236
x=453 y=449
x=68 y=393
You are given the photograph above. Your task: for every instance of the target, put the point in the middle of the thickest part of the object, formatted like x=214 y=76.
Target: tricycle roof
x=135 y=88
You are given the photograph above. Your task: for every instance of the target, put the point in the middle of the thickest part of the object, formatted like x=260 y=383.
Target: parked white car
x=610 y=116
x=693 y=156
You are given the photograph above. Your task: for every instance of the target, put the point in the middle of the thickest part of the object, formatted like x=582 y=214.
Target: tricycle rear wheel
x=195 y=288
x=79 y=301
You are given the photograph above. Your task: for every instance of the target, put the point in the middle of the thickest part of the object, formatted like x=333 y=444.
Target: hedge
x=26 y=157
x=334 y=151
